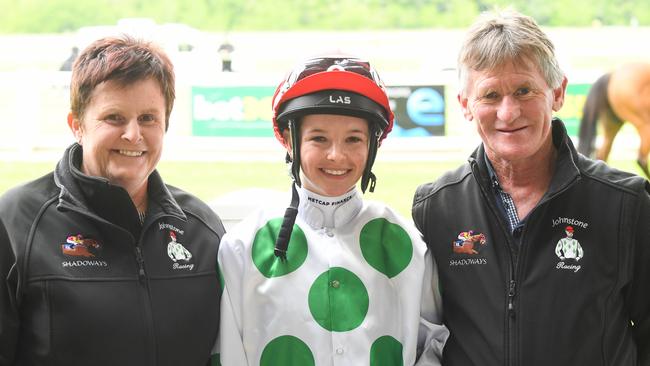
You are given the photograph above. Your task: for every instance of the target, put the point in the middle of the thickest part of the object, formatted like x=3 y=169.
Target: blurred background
x=229 y=56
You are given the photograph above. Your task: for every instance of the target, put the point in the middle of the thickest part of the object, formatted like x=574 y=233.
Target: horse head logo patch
x=468 y=243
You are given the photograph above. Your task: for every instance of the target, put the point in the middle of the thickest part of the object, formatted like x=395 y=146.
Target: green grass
x=396 y=181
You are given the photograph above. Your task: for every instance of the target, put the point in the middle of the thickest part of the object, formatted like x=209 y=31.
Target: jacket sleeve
x=230 y=343
x=638 y=296
x=432 y=334
x=9 y=321
x=418 y=213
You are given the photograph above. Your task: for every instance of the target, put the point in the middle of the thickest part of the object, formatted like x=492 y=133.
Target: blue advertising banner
x=419 y=110
x=245 y=111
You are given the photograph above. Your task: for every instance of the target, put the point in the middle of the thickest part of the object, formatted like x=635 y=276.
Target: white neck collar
x=330 y=212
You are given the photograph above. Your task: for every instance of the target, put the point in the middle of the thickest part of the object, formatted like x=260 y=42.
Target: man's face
x=512 y=107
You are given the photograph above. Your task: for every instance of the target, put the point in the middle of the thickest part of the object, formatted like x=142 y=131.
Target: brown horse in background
x=616 y=97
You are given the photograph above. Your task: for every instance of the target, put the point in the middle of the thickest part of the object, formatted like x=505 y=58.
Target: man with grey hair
x=513 y=301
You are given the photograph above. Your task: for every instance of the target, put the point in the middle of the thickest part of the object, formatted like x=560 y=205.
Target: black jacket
x=82 y=283
x=541 y=303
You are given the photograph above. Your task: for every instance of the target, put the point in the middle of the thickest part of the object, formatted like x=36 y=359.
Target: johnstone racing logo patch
x=178 y=253
x=569 y=250
x=467 y=247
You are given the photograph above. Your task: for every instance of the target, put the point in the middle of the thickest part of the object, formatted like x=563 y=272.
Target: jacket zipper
x=512 y=290
x=512 y=296
x=514 y=272
x=141 y=273
x=144 y=283
x=510 y=340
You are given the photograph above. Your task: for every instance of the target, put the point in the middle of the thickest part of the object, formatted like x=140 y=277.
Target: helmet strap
x=368 y=177
x=295 y=149
x=373 y=182
x=284 y=235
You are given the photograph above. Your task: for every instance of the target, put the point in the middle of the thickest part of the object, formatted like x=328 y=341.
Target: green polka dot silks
x=355 y=289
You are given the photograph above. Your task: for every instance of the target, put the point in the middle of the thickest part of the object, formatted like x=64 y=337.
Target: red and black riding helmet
x=335 y=84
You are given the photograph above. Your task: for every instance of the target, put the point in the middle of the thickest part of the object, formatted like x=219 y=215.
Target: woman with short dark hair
x=101 y=263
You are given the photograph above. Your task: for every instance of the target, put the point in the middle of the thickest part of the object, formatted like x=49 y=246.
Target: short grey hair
x=497 y=38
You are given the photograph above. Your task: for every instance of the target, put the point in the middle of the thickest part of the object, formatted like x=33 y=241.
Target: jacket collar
x=97 y=196
x=328 y=212
x=566 y=169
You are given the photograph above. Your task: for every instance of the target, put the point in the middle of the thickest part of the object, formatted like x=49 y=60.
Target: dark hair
x=122 y=59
